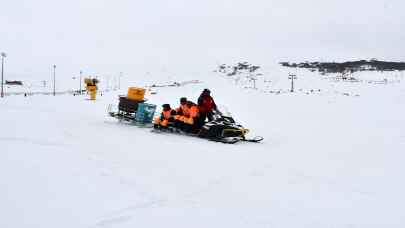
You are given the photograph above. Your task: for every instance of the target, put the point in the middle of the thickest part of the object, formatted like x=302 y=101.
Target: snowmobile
x=222 y=129
x=225 y=129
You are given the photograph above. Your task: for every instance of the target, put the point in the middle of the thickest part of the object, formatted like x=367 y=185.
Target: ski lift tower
x=54 y=79
x=80 y=82
x=253 y=79
x=3 y=55
x=292 y=77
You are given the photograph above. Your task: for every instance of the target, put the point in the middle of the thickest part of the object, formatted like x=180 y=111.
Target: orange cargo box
x=136 y=94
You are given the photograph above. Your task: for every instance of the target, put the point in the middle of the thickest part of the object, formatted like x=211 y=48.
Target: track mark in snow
x=112 y=221
x=139 y=206
x=125 y=214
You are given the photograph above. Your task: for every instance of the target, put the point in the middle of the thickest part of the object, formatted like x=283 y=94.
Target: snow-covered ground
x=332 y=158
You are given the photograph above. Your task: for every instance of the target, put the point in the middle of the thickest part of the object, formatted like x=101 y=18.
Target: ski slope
x=329 y=159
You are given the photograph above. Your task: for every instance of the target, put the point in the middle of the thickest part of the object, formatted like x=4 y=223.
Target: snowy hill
x=328 y=159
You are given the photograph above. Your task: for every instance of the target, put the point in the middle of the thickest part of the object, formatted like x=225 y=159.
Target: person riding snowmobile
x=166 y=117
x=206 y=105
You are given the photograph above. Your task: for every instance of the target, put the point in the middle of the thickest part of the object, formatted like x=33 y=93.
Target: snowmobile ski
x=226 y=140
x=254 y=139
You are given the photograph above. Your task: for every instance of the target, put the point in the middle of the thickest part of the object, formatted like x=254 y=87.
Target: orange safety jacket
x=193 y=114
x=184 y=110
x=163 y=120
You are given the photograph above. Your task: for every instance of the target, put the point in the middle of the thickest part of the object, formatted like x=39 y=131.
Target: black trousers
x=205 y=115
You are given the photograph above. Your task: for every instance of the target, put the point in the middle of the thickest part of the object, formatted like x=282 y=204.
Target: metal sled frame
x=129 y=117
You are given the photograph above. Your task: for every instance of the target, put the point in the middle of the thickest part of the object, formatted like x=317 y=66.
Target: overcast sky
x=108 y=36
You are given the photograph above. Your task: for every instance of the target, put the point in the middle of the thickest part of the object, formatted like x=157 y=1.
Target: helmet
x=206 y=91
x=183 y=100
x=166 y=106
x=190 y=103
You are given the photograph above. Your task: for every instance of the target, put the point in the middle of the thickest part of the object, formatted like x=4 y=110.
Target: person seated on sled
x=183 y=108
x=191 y=120
x=181 y=112
x=207 y=106
x=165 y=118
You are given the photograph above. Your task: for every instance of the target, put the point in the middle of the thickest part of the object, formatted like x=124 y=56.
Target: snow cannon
x=91 y=87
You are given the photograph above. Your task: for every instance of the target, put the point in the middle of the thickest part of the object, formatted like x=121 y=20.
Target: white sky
x=105 y=37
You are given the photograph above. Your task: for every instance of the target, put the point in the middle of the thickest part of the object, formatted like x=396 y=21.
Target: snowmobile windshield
x=224 y=110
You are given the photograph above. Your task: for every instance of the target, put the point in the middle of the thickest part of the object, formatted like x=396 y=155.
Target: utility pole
x=3 y=55
x=292 y=77
x=54 y=82
x=80 y=83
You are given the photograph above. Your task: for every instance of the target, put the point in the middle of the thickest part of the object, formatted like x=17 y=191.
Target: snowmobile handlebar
x=220 y=116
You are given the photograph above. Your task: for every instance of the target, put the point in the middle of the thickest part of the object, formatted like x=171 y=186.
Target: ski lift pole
x=80 y=82
x=3 y=55
x=54 y=82
x=292 y=77
x=254 y=82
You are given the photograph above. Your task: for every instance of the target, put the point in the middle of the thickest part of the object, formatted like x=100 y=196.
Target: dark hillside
x=350 y=66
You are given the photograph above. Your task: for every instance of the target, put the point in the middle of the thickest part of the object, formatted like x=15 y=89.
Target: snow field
x=328 y=160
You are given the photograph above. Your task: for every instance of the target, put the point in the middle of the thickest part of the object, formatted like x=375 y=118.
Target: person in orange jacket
x=181 y=112
x=165 y=118
x=191 y=120
x=183 y=108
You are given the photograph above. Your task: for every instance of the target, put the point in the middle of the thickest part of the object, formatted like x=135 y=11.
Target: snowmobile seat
x=220 y=129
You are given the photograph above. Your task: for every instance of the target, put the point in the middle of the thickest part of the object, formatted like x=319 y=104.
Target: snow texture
x=332 y=157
